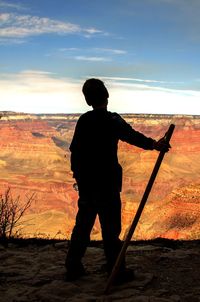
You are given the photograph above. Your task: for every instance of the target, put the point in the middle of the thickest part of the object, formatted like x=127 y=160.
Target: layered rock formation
x=34 y=158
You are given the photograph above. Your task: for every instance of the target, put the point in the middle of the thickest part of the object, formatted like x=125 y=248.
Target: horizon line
x=10 y=112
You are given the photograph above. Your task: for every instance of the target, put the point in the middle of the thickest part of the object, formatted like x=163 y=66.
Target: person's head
x=96 y=94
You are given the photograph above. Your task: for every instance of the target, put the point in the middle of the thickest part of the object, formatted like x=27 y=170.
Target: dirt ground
x=164 y=271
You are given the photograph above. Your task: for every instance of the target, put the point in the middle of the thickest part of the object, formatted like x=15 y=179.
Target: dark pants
x=108 y=208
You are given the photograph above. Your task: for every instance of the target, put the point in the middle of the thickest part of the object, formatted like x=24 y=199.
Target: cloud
x=93 y=31
x=92 y=59
x=125 y=79
x=22 y=26
x=26 y=25
x=93 y=54
x=6 y=5
x=35 y=73
x=97 y=49
x=68 y=49
x=112 y=51
x=38 y=91
x=7 y=41
x=143 y=98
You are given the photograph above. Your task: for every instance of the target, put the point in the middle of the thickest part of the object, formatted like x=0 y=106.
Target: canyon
x=35 y=158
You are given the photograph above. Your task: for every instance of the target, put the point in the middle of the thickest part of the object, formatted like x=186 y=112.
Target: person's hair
x=95 y=92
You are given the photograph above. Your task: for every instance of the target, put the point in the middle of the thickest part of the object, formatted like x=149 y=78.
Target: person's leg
x=110 y=220
x=79 y=240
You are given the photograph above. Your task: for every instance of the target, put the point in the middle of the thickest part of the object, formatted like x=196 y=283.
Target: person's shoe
x=124 y=276
x=74 y=274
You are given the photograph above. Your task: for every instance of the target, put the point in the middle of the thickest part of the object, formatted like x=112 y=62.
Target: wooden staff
x=122 y=253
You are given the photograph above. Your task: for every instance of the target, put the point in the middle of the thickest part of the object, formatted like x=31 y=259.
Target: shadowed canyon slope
x=34 y=158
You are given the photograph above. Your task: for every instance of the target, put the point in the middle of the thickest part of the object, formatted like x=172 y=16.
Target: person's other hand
x=162 y=145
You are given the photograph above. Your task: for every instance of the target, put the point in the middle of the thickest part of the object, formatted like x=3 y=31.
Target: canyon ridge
x=35 y=158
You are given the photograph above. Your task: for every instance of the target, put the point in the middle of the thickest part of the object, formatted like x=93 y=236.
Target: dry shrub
x=11 y=211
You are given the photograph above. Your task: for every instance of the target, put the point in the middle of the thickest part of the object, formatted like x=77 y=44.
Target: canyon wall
x=34 y=158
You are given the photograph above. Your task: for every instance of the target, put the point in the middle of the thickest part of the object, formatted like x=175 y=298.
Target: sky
x=147 y=52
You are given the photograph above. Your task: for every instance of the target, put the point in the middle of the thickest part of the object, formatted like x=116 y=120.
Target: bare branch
x=11 y=211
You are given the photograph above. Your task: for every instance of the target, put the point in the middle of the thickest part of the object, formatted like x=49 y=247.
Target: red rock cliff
x=34 y=157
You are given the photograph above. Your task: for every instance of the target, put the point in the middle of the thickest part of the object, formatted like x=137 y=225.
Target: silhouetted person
x=98 y=174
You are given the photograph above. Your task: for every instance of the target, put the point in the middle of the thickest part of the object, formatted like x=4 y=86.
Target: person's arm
x=128 y=134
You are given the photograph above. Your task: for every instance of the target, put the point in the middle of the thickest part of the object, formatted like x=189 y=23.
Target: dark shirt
x=94 y=160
